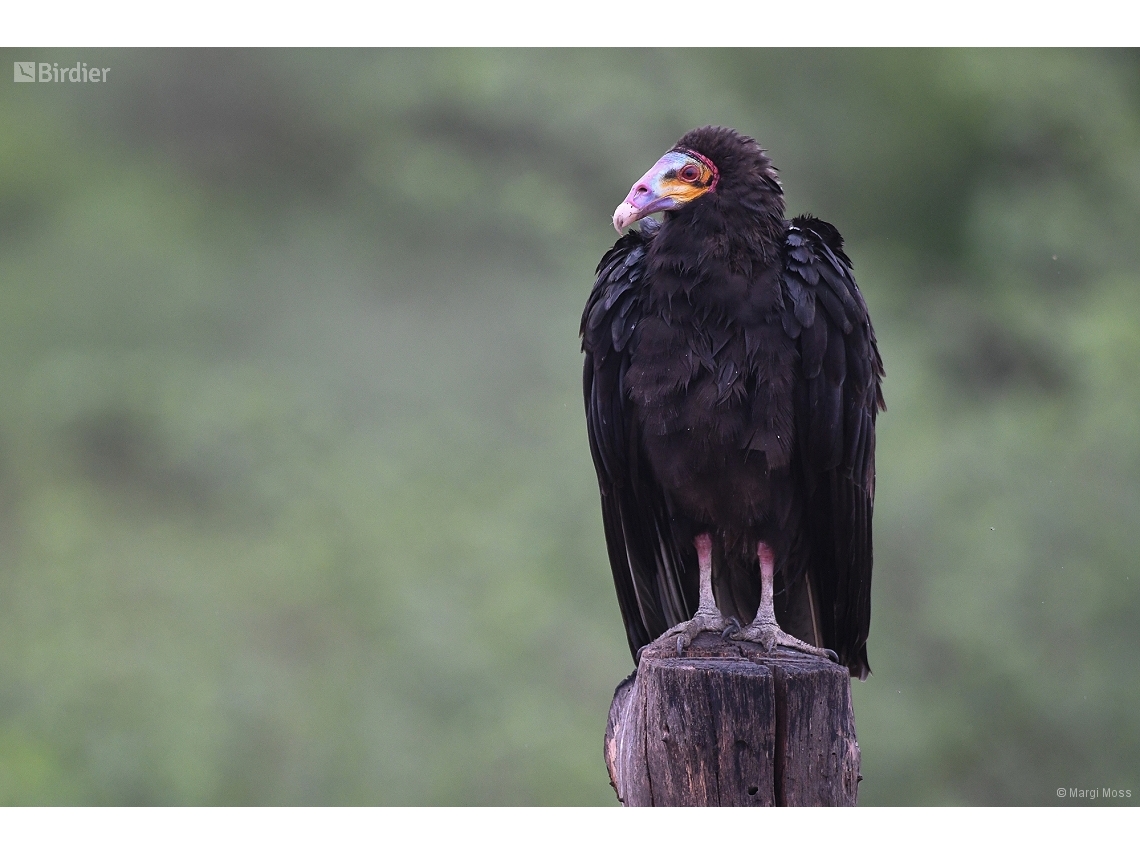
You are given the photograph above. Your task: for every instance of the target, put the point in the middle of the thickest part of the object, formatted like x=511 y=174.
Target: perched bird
x=732 y=381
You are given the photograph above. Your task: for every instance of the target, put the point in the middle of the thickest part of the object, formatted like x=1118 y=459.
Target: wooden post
x=727 y=724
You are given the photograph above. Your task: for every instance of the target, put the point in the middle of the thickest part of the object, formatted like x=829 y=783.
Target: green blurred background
x=296 y=504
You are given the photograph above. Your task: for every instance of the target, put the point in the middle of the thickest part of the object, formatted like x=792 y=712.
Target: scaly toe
x=684 y=633
x=770 y=636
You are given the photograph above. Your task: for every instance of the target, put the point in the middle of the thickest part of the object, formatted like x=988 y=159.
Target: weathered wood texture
x=728 y=724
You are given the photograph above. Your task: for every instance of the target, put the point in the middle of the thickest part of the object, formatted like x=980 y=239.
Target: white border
x=879 y=23
x=530 y=831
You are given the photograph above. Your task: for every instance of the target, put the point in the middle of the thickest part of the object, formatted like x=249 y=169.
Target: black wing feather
x=644 y=557
x=836 y=403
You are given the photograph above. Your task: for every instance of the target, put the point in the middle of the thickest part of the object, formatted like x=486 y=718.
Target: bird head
x=678 y=178
x=694 y=169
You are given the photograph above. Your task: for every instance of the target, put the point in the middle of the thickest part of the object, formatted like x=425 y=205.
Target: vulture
x=732 y=381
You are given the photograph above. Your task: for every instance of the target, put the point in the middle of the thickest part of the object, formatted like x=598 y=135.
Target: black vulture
x=732 y=380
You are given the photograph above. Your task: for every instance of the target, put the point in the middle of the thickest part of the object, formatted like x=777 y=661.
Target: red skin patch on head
x=706 y=162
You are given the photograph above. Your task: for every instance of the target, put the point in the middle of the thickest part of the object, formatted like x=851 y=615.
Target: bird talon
x=680 y=644
x=731 y=630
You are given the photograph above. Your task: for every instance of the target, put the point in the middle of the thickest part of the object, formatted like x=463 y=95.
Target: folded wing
x=647 y=565
x=837 y=399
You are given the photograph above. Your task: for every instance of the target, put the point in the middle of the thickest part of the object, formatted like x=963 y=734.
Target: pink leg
x=767 y=611
x=707 y=604
x=764 y=629
x=708 y=616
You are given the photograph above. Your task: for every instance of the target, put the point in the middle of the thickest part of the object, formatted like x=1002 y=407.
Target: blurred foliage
x=296 y=504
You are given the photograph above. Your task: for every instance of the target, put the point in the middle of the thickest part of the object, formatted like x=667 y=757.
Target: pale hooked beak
x=648 y=195
x=624 y=215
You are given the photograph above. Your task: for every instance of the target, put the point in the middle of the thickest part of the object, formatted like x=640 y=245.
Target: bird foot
x=674 y=641
x=770 y=636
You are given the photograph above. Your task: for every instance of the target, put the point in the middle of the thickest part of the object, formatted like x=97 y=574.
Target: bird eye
x=690 y=172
